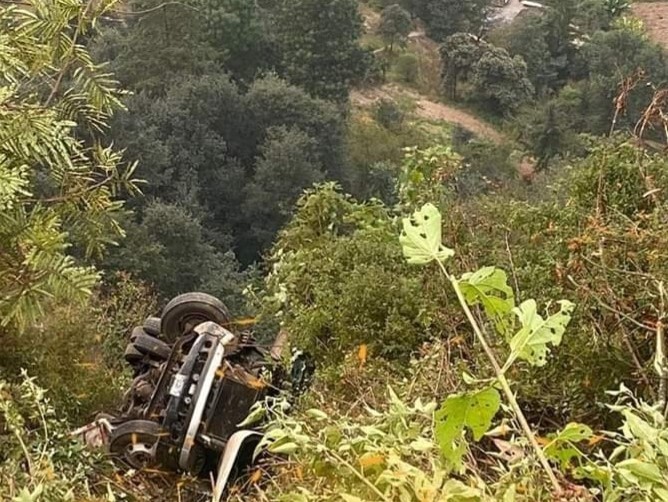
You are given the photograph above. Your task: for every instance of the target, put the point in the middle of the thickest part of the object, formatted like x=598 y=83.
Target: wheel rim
x=136 y=442
x=140 y=454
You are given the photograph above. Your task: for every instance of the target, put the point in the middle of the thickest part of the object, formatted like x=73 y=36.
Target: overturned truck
x=195 y=380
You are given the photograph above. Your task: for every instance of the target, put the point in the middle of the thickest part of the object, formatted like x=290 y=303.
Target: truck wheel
x=186 y=311
x=150 y=345
x=152 y=326
x=132 y=355
x=136 y=442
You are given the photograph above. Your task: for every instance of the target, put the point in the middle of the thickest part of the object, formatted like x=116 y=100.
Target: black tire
x=137 y=331
x=186 y=311
x=132 y=355
x=151 y=346
x=152 y=326
x=135 y=441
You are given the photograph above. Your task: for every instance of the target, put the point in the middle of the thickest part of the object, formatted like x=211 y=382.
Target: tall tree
x=610 y=57
x=156 y=42
x=395 y=25
x=272 y=102
x=318 y=42
x=526 y=37
x=286 y=166
x=459 y=53
x=171 y=250
x=58 y=194
x=240 y=33
x=501 y=80
x=202 y=143
x=447 y=17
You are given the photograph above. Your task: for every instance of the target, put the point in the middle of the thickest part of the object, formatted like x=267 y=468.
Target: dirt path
x=430 y=110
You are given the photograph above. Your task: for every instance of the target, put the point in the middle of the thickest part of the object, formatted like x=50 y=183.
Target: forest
x=456 y=208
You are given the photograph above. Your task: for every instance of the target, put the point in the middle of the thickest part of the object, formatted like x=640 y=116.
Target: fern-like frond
x=50 y=88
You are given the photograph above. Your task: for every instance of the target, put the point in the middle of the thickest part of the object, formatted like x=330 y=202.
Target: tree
x=447 y=17
x=241 y=35
x=170 y=249
x=155 y=42
x=526 y=37
x=558 y=34
x=59 y=194
x=190 y=145
x=201 y=144
x=501 y=80
x=272 y=102
x=610 y=57
x=395 y=25
x=459 y=53
x=544 y=131
x=318 y=42
x=286 y=166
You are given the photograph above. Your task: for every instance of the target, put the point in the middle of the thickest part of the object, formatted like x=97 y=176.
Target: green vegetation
x=486 y=299
x=58 y=191
x=394 y=26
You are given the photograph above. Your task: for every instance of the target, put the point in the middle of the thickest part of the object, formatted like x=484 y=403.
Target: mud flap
x=228 y=459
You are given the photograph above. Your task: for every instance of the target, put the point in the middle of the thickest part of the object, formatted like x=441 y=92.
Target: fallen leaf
x=362 y=353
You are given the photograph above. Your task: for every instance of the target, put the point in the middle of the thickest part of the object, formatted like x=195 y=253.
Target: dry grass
x=655 y=17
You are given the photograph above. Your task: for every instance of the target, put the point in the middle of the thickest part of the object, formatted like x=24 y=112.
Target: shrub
x=77 y=350
x=339 y=281
x=388 y=114
x=406 y=68
x=595 y=237
x=38 y=461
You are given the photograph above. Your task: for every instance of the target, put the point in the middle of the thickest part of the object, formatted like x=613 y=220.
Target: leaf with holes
x=531 y=342
x=421 y=237
x=488 y=287
x=473 y=410
x=562 y=447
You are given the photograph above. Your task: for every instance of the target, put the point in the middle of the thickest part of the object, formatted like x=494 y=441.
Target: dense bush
x=339 y=281
x=596 y=238
x=38 y=461
x=407 y=68
x=388 y=114
x=77 y=350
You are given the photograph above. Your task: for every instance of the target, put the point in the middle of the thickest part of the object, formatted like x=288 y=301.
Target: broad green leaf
x=562 y=445
x=661 y=493
x=316 y=414
x=283 y=448
x=421 y=237
x=642 y=470
x=350 y=498
x=456 y=491
x=573 y=432
x=531 y=342
x=637 y=428
x=489 y=288
x=474 y=410
x=421 y=445
x=257 y=413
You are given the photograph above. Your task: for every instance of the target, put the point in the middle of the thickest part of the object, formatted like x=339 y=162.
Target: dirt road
x=430 y=110
x=655 y=17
